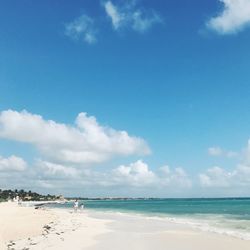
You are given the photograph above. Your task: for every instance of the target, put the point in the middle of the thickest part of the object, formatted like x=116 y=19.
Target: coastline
x=94 y=230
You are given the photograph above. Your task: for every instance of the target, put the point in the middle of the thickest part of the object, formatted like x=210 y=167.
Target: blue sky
x=173 y=73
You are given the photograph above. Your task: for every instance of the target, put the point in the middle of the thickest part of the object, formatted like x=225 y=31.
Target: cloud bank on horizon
x=68 y=152
x=223 y=178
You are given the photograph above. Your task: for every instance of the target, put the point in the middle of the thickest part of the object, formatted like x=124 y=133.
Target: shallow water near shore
x=230 y=216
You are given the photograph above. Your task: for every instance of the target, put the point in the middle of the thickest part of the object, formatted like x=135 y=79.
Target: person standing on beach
x=76 y=204
x=82 y=207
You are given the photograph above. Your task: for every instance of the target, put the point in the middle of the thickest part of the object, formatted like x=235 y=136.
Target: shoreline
x=191 y=223
x=97 y=230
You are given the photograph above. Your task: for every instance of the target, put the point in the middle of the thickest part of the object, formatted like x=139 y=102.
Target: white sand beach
x=59 y=229
x=30 y=228
x=21 y=222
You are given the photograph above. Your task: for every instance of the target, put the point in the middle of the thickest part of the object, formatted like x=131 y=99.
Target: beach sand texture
x=20 y=222
x=61 y=229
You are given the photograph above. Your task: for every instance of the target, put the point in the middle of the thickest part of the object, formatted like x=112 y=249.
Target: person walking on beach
x=82 y=207
x=76 y=204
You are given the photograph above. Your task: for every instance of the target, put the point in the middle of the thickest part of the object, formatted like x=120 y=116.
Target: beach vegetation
x=25 y=195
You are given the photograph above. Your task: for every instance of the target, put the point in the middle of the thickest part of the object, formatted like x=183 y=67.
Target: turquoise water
x=226 y=216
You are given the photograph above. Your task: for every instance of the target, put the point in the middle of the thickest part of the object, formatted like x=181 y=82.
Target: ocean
x=224 y=215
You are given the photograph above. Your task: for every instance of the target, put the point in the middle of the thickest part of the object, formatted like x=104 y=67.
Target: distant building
x=28 y=197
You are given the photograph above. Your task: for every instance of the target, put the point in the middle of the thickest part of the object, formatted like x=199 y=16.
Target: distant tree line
x=25 y=195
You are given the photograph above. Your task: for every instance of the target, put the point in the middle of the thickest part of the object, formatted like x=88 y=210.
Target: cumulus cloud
x=234 y=17
x=176 y=177
x=82 y=29
x=219 y=177
x=51 y=170
x=138 y=174
x=235 y=179
x=12 y=163
x=86 y=142
x=130 y=16
x=14 y=172
x=135 y=174
x=218 y=151
x=127 y=179
x=215 y=177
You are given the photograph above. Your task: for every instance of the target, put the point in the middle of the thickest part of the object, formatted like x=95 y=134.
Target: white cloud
x=218 y=151
x=124 y=178
x=116 y=17
x=12 y=163
x=174 y=178
x=86 y=142
x=131 y=17
x=135 y=174
x=142 y=23
x=234 y=17
x=215 y=151
x=82 y=28
x=236 y=179
x=231 y=154
x=219 y=177
x=138 y=174
x=215 y=177
x=52 y=170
